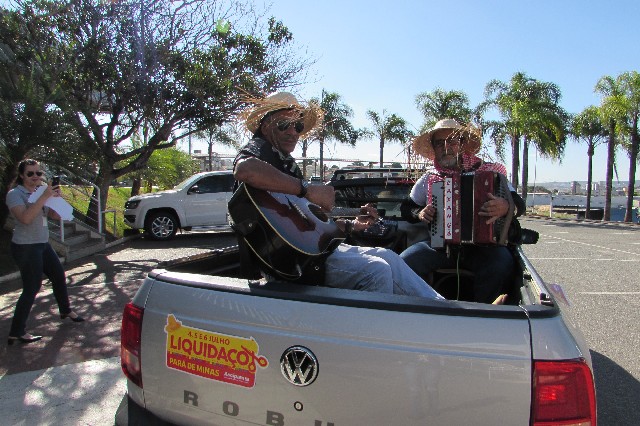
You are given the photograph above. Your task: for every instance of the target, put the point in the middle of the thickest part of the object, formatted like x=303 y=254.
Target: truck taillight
x=564 y=394
x=130 y=343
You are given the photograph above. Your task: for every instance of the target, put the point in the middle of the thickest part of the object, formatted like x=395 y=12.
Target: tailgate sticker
x=216 y=356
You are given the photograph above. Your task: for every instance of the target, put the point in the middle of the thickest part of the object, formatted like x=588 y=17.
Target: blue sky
x=381 y=54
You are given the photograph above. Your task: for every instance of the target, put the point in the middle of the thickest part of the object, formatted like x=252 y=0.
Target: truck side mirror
x=529 y=236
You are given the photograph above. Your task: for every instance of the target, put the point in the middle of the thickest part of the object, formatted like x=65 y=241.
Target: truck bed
x=326 y=356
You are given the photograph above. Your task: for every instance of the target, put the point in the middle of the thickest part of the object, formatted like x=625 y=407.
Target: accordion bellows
x=457 y=200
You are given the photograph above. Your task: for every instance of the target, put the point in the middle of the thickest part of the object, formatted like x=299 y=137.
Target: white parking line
x=603 y=259
x=611 y=293
x=594 y=245
x=558 y=258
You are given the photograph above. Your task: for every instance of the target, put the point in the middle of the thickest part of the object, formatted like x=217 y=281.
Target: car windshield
x=186 y=183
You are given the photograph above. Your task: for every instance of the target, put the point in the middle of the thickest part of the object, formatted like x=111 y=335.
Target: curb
x=582 y=221
x=16 y=275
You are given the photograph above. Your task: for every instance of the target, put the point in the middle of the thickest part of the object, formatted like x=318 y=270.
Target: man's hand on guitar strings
x=495 y=208
x=322 y=195
x=370 y=210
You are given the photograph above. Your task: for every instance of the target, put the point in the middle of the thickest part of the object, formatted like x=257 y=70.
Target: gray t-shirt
x=35 y=232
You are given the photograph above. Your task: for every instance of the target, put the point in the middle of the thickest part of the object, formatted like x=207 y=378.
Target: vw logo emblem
x=299 y=366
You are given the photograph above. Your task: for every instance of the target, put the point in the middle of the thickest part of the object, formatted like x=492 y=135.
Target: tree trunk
x=94 y=213
x=525 y=169
x=611 y=152
x=136 y=184
x=322 y=160
x=633 y=158
x=210 y=152
x=590 y=152
x=381 y=152
x=515 y=160
x=304 y=156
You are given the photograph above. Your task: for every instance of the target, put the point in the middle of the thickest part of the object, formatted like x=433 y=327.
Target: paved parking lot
x=73 y=376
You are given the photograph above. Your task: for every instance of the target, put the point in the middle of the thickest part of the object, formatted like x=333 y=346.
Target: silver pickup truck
x=202 y=344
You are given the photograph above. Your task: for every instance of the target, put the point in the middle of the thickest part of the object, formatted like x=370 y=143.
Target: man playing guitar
x=265 y=163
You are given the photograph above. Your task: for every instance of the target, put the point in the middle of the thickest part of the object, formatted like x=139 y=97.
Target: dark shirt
x=263 y=150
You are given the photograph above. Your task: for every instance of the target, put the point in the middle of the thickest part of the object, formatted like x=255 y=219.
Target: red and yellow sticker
x=216 y=356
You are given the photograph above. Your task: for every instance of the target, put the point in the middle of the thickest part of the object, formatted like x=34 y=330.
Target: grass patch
x=79 y=198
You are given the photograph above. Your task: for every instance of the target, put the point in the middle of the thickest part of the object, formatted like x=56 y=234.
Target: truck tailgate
x=261 y=360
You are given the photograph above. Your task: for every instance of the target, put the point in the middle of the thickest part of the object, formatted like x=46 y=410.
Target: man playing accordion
x=453 y=148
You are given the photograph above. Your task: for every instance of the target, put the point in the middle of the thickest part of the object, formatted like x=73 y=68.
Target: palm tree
x=588 y=126
x=531 y=114
x=226 y=135
x=336 y=124
x=440 y=104
x=611 y=111
x=388 y=129
x=630 y=85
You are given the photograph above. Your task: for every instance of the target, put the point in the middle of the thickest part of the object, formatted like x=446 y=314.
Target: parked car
x=199 y=201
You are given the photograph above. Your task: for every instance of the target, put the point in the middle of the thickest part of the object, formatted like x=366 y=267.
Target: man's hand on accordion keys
x=494 y=208
x=427 y=213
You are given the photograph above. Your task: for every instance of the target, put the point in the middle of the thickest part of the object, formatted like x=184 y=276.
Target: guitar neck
x=345 y=212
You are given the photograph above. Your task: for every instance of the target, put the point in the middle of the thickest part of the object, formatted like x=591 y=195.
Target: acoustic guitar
x=289 y=235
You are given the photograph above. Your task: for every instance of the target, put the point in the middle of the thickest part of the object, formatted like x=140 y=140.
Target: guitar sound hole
x=318 y=212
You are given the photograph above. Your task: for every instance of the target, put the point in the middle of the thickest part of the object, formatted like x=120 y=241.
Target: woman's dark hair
x=23 y=165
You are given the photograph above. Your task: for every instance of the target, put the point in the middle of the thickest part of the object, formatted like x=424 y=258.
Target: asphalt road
x=599 y=267
x=73 y=376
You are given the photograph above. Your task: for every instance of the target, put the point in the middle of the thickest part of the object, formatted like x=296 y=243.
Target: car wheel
x=161 y=225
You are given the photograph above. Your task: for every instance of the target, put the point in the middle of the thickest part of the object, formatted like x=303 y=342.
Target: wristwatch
x=304 y=188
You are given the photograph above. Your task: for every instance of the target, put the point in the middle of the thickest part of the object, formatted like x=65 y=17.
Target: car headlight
x=131 y=204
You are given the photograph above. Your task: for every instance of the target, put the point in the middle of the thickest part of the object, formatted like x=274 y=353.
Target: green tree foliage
x=612 y=114
x=440 y=104
x=530 y=113
x=587 y=126
x=108 y=67
x=28 y=126
x=630 y=85
x=388 y=128
x=168 y=167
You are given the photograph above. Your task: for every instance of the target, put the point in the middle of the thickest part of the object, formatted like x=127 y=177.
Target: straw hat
x=471 y=134
x=311 y=113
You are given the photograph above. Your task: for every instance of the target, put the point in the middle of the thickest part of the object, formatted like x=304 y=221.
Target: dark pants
x=492 y=266
x=33 y=260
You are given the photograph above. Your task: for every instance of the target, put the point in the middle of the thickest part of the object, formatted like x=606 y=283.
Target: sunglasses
x=31 y=173
x=284 y=125
x=439 y=143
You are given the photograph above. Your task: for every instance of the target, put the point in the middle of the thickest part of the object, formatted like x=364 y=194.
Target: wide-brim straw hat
x=472 y=138
x=311 y=113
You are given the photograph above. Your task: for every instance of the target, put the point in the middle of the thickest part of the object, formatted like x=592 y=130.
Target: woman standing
x=31 y=249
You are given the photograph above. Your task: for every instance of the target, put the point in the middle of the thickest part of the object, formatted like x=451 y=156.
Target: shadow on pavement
x=99 y=287
x=616 y=391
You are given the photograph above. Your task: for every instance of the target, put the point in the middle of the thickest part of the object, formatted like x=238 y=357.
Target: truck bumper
x=129 y=413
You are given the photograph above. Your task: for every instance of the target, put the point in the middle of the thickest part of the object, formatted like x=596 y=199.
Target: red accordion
x=457 y=200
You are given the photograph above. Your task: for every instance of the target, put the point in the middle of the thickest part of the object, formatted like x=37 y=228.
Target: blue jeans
x=33 y=260
x=492 y=266
x=374 y=269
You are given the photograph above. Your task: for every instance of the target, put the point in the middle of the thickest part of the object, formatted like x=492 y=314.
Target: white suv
x=199 y=201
